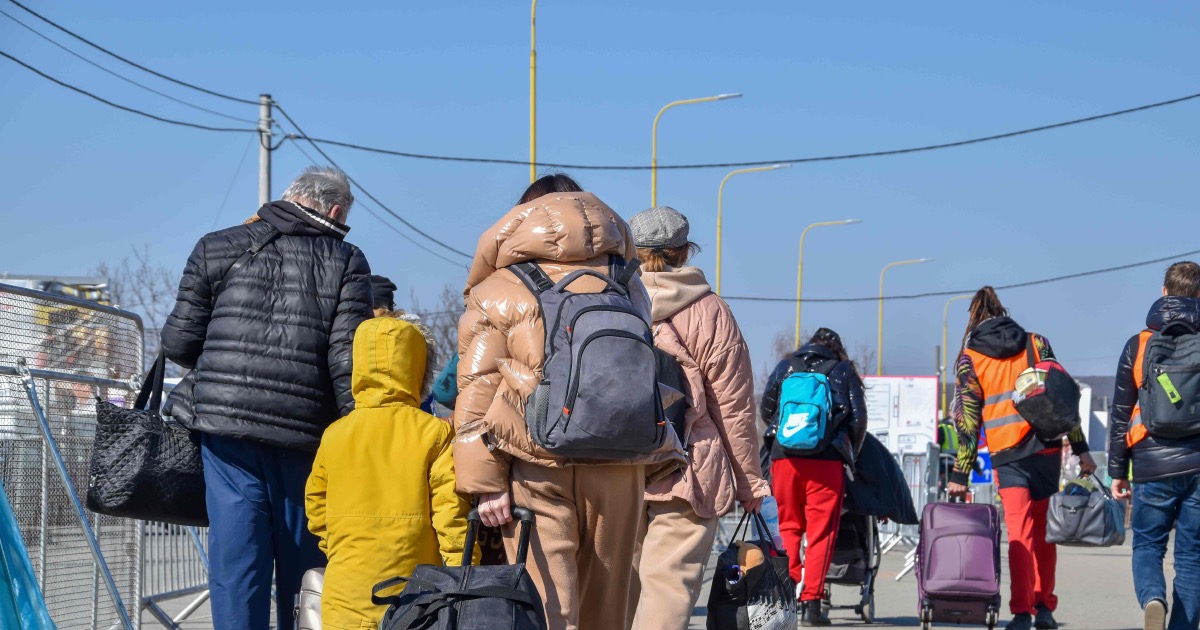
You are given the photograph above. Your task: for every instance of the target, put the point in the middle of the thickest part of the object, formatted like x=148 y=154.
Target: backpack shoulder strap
x=532 y=276
x=622 y=271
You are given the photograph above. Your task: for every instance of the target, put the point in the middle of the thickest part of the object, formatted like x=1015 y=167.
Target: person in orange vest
x=994 y=354
x=1166 y=472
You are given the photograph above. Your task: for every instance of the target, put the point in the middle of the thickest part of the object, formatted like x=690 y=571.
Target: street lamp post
x=945 y=340
x=533 y=92
x=654 y=137
x=800 y=267
x=879 y=349
x=721 y=195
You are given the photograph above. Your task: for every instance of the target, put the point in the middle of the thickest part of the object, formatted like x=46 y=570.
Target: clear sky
x=84 y=184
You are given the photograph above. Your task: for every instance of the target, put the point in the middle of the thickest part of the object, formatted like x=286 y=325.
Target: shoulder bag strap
x=621 y=271
x=250 y=252
x=152 y=387
x=1031 y=353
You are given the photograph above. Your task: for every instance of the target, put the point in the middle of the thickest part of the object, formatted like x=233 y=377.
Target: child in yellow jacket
x=381 y=495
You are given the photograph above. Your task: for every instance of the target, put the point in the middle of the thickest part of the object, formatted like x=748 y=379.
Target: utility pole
x=264 y=149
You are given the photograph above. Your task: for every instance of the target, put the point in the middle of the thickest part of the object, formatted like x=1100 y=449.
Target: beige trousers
x=581 y=551
x=674 y=546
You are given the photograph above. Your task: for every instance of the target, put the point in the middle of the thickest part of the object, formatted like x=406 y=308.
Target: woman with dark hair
x=995 y=351
x=809 y=485
x=679 y=520
x=582 y=547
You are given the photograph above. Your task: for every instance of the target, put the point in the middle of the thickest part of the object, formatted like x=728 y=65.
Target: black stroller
x=855 y=562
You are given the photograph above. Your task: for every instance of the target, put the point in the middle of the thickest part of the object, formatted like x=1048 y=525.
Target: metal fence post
x=89 y=533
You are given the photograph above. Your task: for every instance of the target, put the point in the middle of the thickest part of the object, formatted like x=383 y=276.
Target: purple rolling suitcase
x=958 y=564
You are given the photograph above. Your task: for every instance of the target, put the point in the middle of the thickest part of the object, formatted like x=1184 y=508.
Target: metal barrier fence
x=175 y=565
x=57 y=354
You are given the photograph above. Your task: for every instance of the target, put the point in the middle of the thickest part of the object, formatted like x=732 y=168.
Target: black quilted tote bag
x=144 y=467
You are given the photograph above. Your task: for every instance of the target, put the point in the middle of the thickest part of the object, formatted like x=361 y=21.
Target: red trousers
x=809 y=494
x=1031 y=560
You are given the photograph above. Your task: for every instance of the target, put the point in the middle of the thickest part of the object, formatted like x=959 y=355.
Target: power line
x=237 y=171
x=1020 y=285
x=803 y=160
x=386 y=224
x=132 y=63
x=366 y=192
x=121 y=76
x=121 y=107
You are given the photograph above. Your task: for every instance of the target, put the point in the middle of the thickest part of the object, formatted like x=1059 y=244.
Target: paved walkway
x=1095 y=589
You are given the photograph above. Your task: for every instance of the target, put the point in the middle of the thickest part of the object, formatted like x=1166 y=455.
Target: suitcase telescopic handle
x=524 y=515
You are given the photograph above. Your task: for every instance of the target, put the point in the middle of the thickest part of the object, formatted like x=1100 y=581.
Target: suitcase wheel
x=926 y=617
x=993 y=618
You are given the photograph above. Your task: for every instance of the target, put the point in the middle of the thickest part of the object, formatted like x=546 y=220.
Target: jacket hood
x=389 y=363
x=672 y=290
x=999 y=338
x=1172 y=309
x=294 y=219
x=559 y=227
x=815 y=350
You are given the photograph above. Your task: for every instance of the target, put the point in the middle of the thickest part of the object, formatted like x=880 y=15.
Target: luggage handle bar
x=524 y=515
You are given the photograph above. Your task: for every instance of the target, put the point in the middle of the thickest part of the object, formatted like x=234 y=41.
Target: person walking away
x=269 y=345
x=995 y=352
x=809 y=485
x=581 y=552
x=383 y=294
x=679 y=519
x=381 y=495
x=1166 y=471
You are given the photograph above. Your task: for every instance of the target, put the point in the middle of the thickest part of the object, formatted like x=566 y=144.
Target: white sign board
x=902 y=411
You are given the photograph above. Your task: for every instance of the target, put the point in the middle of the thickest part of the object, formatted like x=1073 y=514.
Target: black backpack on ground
x=1170 y=394
x=469 y=597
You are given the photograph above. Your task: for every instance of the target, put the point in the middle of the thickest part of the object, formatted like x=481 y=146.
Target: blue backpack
x=805 y=423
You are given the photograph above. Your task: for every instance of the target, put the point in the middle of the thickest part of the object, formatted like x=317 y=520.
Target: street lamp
x=945 y=340
x=800 y=267
x=654 y=137
x=533 y=92
x=720 y=196
x=879 y=349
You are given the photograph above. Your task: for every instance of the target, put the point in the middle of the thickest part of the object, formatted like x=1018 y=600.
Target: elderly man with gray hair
x=265 y=319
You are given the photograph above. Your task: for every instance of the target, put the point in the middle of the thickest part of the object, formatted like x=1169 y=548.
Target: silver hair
x=321 y=188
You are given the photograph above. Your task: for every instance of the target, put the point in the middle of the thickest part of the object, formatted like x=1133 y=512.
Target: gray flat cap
x=659 y=227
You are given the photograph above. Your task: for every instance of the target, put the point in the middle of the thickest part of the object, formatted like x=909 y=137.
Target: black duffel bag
x=500 y=597
x=143 y=467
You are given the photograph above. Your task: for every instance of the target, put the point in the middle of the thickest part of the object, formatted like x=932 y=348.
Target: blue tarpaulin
x=21 y=603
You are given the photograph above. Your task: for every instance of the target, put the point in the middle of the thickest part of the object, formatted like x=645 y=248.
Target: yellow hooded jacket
x=381 y=495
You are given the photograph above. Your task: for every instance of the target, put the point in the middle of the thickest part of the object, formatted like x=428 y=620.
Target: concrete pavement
x=1095 y=588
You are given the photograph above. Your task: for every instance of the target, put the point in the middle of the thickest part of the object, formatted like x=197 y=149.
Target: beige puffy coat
x=501 y=335
x=696 y=327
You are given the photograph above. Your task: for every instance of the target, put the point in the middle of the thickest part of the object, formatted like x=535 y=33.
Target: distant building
x=92 y=289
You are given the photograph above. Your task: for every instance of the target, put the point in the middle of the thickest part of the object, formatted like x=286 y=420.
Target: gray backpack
x=1170 y=392
x=598 y=397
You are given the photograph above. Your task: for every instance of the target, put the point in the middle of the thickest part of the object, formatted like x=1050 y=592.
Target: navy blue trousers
x=257 y=531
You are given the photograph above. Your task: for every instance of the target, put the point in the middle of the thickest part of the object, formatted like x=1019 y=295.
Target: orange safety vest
x=1005 y=428
x=1137 y=430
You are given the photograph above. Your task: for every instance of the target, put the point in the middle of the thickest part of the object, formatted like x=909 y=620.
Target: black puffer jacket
x=1153 y=458
x=272 y=349
x=846 y=389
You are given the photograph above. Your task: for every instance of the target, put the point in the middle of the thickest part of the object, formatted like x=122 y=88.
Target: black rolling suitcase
x=500 y=597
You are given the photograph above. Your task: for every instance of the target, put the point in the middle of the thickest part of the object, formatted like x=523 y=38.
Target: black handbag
x=759 y=598
x=144 y=467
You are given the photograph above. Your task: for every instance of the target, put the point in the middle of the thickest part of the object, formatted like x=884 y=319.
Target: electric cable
x=915 y=296
x=366 y=192
x=237 y=171
x=380 y=218
x=802 y=160
x=121 y=107
x=121 y=76
x=132 y=63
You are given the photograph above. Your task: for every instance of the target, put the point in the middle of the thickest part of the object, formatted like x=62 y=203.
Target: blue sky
x=84 y=183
